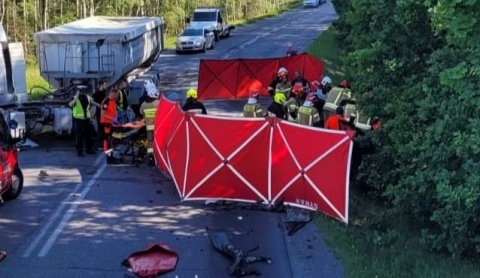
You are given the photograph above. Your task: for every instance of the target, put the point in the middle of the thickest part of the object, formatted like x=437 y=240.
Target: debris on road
x=3 y=254
x=259 y=205
x=157 y=259
x=295 y=219
x=240 y=258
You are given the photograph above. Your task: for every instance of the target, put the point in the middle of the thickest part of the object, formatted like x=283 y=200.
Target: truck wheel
x=228 y=34
x=17 y=185
x=217 y=36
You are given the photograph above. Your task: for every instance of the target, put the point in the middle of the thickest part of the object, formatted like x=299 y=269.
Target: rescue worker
x=252 y=109
x=307 y=113
x=98 y=97
x=276 y=107
x=149 y=110
x=273 y=84
x=344 y=84
x=321 y=94
x=192 y=104
x=299 y=79
x=376 y=124
x=324 y=88
x=338 y=121
x=290 y=51
x=109 y=117
x=82 y=116
x=283 y=86
x=122 y=102
x=296 y=99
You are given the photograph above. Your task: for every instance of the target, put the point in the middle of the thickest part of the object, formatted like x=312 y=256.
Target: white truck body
x=211 y=19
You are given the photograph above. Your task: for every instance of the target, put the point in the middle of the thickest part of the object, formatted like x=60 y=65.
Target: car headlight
x=198 y=41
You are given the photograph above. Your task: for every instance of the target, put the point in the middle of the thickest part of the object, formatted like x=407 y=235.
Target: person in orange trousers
x=109 y=117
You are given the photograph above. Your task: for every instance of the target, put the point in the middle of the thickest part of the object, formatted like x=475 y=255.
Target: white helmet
x=152 y=90
x=282 y=70
x=326 y=80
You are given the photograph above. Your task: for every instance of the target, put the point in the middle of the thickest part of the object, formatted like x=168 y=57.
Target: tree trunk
x=3 y=11
x=45 y=14
x=92 y=8
x=25 y=26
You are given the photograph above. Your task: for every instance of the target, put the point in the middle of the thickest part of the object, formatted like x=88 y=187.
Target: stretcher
x=133 y=136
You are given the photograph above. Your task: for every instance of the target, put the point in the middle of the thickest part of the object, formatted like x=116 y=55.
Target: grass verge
x=364 y=250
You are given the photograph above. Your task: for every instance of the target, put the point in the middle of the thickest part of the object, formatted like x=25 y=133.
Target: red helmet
x=254 y=94
x=345 y=84
x=297 y=89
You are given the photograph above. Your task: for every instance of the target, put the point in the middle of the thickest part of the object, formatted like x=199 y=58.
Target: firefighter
x=276 y=108
x=273 y=84
x=338 y=121
x=108 y=118
x=300 y=79
x=122 y=102
x=82 y=117
x=253 y=109
x=149 y=109
x=344 y=84
x=307 y=113
x=192 y=104
x=283 y=86
x=296 y=99
x=324 y=88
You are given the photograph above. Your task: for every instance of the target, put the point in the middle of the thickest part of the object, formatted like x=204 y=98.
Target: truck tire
x=217 y=36
x=17 y=185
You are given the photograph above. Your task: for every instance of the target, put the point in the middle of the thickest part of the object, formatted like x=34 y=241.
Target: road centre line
x=66 y=218
x=56 y=215
x=52 y=219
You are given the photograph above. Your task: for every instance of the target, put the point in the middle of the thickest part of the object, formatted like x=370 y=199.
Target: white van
x=313 y=3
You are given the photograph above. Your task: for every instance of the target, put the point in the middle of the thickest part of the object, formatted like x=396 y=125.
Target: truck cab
x=211 y=19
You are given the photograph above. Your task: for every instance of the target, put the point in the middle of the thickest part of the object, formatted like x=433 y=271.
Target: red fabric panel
x=323 y=159
x=218 y=79
x=165 y=122
x=236 y=78
x=243 y=160
x=228 y=158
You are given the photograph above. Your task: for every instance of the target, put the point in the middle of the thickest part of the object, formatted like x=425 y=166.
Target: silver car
x=195 y=39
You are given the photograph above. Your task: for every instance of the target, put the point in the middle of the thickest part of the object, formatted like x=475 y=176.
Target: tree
x=423 y=60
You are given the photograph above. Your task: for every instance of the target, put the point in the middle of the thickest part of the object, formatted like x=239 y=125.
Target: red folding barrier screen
x=236 y=78
x=254 y=159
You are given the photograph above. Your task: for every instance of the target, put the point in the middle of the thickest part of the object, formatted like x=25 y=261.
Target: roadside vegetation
x=415 y=203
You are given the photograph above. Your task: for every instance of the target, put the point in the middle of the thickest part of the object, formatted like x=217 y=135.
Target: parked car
x=195 y=39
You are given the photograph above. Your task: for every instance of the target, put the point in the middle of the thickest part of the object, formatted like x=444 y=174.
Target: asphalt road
x=78 y=217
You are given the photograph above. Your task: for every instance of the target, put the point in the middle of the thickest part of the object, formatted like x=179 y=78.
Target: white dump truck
x=84 y=52
x=211 y=19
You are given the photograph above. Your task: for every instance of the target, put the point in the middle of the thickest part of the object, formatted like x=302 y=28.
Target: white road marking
x=55 y=215
x=68 y=215
x=52 y=219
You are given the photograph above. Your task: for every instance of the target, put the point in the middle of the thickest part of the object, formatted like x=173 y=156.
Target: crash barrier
x=252 y=159
x=237 y=78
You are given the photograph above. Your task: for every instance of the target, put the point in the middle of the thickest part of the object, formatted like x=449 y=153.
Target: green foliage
x=21 y=19
x=423 y=59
